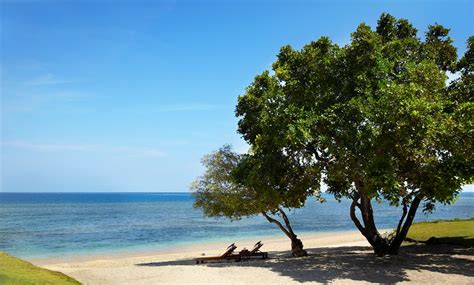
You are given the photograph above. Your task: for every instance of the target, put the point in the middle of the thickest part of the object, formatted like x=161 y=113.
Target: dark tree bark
x=297 y=247
x=367 y=227
x=296 y=244
x=405 y=207
x=402 y=234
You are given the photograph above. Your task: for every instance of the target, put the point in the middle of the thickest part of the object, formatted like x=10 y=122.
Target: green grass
x=458 y=232
x=17 y=271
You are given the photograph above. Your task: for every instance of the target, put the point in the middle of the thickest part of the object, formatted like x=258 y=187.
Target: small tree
x=235 y=186
x=376 y=117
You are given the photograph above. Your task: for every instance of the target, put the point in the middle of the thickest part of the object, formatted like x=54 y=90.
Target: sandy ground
x=334 y=258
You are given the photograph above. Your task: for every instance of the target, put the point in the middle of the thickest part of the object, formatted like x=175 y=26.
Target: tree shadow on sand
x=357 y=263
x=169 y=263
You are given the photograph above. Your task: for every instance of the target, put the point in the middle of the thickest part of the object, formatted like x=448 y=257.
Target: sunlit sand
x=333 y=257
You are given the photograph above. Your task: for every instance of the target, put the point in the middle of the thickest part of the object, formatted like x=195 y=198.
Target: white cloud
x=27 y=102
x=36 y=146
x=46 y=79
x=184 y=108
x=468 y=188
x=452 y=76
x=133 y=151
x=119 y=150
x=66 y=95
x=242 y=147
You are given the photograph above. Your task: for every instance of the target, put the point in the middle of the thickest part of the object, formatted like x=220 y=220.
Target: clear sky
x=128 y=96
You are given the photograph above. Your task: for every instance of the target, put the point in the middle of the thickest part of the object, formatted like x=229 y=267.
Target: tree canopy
x=237 y=185
x=375 y=118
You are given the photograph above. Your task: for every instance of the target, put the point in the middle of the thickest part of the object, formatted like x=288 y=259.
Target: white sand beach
x=333 y=258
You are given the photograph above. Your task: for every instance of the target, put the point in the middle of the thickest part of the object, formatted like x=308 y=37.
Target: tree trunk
x=296 y=244
x=368 y=230
x=297 y=247
x=381 y=245
x=402 y=234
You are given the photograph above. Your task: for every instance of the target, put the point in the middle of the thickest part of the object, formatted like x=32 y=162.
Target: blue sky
x=128 y=96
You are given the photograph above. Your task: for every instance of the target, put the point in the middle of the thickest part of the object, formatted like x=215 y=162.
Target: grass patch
x=458 y=232
x=16 y=271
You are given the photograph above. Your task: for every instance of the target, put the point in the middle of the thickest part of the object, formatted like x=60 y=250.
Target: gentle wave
x=58 y=224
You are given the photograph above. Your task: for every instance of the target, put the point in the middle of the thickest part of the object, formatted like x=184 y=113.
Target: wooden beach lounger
x=255 y=252
x=228 y=255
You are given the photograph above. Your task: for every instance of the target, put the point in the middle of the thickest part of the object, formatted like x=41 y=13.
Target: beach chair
x=255 y=252
x=227 y=255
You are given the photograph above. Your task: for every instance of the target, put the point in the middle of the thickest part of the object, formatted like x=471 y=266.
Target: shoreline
x=187 y=247
x=336 y=257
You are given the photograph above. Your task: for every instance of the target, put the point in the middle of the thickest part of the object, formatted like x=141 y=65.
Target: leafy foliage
x=217 y=193
x=376 y=118
x=237 y=185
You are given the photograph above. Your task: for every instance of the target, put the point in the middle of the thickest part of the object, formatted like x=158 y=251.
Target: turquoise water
x=58 y=224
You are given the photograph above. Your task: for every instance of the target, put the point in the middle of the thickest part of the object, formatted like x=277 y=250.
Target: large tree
x=241 y=185
x=375 y=116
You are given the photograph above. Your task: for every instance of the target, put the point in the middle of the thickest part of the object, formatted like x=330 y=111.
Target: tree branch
x=272 y=220
x=395 y=245
x=405 y=209
x=411 y=213
x=314 y=151
x=366 y=209
x=287 y=221
x=354 y=217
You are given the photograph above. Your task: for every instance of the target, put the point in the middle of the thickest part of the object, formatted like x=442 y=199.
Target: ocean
x=51 y=225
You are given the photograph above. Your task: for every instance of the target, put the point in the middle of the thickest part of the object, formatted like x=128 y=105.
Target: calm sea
x=59 y=224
